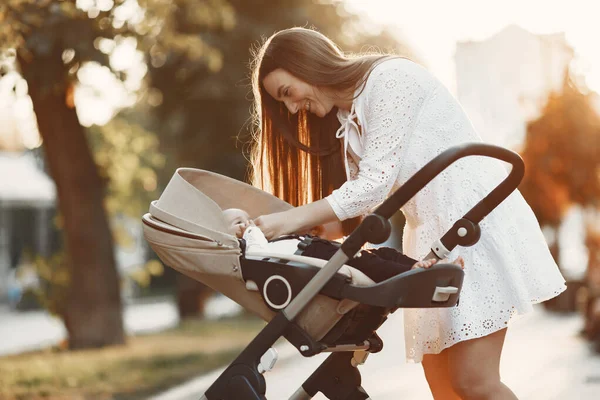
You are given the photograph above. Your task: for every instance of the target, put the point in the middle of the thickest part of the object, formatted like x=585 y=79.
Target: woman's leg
x=438 y=377
x=474 y=368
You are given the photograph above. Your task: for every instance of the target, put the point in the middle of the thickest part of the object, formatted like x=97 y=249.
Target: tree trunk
x=565 y=302
x=191 y=297
x=592 y=283
x=92 y=313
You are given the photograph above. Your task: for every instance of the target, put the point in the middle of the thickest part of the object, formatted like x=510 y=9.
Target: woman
x=391 y=117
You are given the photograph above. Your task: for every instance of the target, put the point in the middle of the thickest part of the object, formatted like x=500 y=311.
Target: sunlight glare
x=99 y=95
x=432 y=27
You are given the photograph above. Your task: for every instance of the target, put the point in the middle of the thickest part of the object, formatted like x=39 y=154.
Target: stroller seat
x=194 y=256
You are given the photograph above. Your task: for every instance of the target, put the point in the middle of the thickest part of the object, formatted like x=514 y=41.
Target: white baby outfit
x=256 y=241
x=407 y=117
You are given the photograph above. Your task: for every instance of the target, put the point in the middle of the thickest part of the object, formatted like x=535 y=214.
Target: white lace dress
x=407 y=117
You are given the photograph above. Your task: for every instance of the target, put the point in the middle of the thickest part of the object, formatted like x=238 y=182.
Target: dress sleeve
x=393 y=103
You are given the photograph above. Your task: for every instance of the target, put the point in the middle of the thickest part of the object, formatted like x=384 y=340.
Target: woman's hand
x=431 y=262
x=275 y=225
x=425 y=264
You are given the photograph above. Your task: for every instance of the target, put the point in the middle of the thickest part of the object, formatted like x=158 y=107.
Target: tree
x=562 y=157
x=592 y=306
x=42 y=33
x=53 y=39
x=561 y=153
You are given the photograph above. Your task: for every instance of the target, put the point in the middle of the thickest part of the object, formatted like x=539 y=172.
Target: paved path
x=31 y=330
x=544 y=359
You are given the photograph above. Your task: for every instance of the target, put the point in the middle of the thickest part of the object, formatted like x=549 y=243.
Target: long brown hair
x=297 y=156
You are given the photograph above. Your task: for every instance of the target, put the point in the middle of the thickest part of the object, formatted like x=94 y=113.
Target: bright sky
x=432 y=27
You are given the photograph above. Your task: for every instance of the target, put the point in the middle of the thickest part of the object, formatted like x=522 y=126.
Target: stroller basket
x=318 y=306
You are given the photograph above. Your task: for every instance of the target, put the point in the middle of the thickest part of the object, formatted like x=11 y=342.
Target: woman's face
x=297 y=94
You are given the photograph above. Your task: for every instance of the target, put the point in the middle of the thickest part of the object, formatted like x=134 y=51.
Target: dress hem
x=513 y=316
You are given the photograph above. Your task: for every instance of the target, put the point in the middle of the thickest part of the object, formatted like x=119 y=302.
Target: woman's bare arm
x=296 y=220
x=331 y=231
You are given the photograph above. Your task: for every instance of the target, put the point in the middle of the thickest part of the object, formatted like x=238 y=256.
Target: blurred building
x=504 y=81
x=27 y=194
x=27 y=204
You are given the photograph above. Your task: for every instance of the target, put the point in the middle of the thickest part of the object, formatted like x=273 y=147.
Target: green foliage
x=127 y=157
x=47 y=28
x=41 y=27
x=176 y=26
x=144 y=273
x=54 y=276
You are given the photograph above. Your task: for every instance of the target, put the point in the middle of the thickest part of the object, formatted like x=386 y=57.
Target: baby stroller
x=318 y=306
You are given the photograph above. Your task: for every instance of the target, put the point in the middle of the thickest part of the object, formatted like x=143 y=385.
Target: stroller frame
x=338 y=377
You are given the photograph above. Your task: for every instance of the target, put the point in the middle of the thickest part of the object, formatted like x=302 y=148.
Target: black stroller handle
x=442 y=161
x=377 y=230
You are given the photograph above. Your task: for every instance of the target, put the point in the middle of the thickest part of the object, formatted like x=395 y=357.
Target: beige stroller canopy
x=186 y=229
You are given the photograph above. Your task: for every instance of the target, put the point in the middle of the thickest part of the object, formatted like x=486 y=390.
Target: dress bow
x=342 y=133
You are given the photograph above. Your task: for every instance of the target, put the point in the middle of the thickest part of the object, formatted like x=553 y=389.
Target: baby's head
x=237 y=221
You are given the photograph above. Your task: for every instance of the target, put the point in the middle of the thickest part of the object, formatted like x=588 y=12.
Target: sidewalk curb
x=195 y=388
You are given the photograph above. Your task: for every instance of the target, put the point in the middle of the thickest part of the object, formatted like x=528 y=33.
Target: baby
x=237 y=220
x=378 y=264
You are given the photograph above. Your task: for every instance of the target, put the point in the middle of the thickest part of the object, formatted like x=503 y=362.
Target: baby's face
x=237 y=221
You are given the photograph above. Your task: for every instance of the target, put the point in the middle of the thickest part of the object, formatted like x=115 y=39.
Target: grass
x=146 y=365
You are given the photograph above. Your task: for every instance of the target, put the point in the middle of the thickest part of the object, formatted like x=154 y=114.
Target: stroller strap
x=305 y=241
x=287 y=237
x=303 y=244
